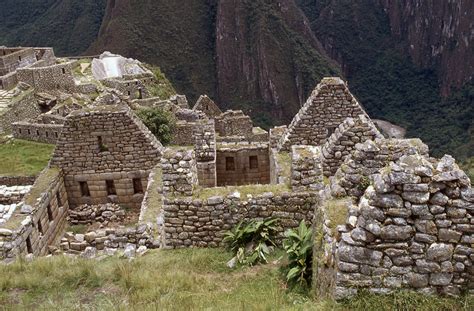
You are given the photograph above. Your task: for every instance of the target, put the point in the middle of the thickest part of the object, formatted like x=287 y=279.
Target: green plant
x=298 y=244
x=252 y=242
x=364 y=183
x=160 y=122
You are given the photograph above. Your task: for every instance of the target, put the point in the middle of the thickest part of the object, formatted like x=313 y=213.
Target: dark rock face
x=437 y=35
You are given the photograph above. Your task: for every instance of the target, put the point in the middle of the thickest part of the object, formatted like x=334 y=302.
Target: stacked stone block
x=306 y=168
x=234 y=123
x=203 y=222
x=341 y=143
x=208 y=106
x=276 y=134
x=44 y=133
x=367 y=159
x=327 y=107
x=243 y=164
x=108 y=144
x=413 y=228
x=205 y=150
x=50 y=78
x=179 y=172
x=41 y=221
x=20 y=108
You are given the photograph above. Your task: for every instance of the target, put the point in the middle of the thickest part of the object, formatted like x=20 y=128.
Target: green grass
x=336 y=211
x=191 y=279
x=23 y=158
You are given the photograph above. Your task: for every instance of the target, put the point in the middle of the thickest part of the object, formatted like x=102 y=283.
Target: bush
x=298 y=244
x=253 y=242
x=160 y=122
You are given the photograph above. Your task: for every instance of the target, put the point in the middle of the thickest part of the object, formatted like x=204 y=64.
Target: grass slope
x=25 y=158
x=190 y=279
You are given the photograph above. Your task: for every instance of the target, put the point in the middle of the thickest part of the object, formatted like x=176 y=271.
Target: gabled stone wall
x=102 y=149
x=205 y=150
x=327 y=107
x=234 y=123
x=306 y=168
x=208 y=106
x=349 y=133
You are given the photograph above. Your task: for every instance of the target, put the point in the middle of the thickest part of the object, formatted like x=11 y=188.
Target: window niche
x=253 y=162
x=101 y=145
x=229 y=163
x=137 y=186
x=84 y=189
x=110 y=184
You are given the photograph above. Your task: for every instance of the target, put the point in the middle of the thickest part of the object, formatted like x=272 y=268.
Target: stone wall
x=208 y=106
x=203 y=222
x=306 y=168
x=106 y=155
x=41 y=221
x=327 y=107
x=349 y=133
x=367 y=159
x=234 y=123
x=276 y=133
x=205 y=150
x=243 y=164
x=13 y=58
x=183 y=133
x=133 y=88
x=93 y=214
x=45 y=133
x=21 y=108
x=56 y=77
x=179 y=172
x=413 y=228
x=17 y=180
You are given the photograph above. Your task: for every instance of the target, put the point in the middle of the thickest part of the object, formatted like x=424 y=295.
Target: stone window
x=331 y=130
x=84 y=189
x=50 y=212
x=58 y=198
x=37 y=133
x=128 y=92
x=137 y=185
x=28 y=131
x=19 y=130
x=64 y=71
x=40 y=227
x=110 y=184
x=56 y=134
x=29 y=248
x=19 y=58
x=230 y=164
x=253 y=162
x=46 y=133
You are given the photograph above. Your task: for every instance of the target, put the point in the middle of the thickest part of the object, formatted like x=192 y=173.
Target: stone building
x=106 y=155
x=327 y=107
x=208 y=106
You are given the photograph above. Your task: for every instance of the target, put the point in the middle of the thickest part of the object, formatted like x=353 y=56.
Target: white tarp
x=110 y=65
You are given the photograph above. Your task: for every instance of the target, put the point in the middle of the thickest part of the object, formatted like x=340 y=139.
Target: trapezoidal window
x=58 y=198
x=137 y=185
x=64 y=71
x=84 y=189
x=29 y=248
x=19 y=58
x=331 y=130
x=253 y=162
x=40 y=227
x=50 y=212
x=101 y=145
x=110 y=184
x=229 y=163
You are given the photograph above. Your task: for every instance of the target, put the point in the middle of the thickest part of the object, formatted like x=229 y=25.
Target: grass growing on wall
x=189 y=279
x=23 y=158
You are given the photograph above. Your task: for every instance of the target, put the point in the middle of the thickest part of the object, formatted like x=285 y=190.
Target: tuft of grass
x=23 y=158
x=77 y=229
x=162 y=88
x=337 y=211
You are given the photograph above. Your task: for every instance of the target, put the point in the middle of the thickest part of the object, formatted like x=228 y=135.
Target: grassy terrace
x=190 y=279
x=23 y=158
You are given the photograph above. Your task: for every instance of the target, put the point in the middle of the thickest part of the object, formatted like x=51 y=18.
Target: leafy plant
x=298 y=244
x=160 y=122
x=252 y=242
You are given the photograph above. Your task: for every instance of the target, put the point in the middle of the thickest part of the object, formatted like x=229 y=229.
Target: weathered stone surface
x=439 y=252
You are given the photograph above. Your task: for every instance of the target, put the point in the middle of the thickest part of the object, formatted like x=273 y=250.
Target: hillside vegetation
x=191 y=279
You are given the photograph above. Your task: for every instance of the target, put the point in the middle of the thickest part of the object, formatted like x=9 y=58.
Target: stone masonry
x=349 y=133
x=106 y=155
x=208 y=106
x=306 y=168
x=327 y=107
x=413 y=228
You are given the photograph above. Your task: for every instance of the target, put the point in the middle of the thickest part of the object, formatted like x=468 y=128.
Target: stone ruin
x=407 y=217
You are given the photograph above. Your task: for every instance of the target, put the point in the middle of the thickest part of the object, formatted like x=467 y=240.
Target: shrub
x=251 y=243
x=160 y=122
x=298 y=244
